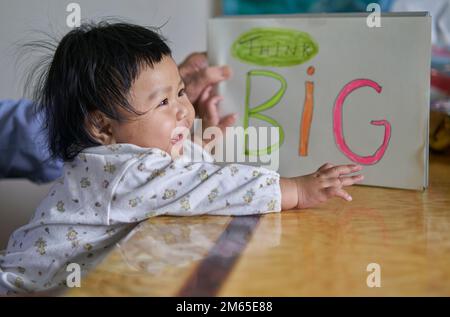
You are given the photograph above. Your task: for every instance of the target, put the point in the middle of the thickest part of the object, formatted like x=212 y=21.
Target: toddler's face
x=159 y=94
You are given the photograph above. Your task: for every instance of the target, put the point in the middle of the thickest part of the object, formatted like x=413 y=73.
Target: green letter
x=255 y=112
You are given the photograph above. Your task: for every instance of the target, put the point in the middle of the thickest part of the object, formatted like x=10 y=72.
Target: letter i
x=307 y=114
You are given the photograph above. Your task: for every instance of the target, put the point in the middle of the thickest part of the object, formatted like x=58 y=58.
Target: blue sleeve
x=23 y=145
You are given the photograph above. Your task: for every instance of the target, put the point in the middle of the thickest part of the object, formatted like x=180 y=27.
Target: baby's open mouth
x=177 y=138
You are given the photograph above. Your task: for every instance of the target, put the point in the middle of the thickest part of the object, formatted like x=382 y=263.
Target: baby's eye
x=165 y=102
x=182 y=92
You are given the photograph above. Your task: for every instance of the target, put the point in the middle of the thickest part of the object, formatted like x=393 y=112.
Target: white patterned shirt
x=106 y=191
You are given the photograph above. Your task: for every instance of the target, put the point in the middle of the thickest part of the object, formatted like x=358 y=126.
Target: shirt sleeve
x=23 y=144
x=193 y=188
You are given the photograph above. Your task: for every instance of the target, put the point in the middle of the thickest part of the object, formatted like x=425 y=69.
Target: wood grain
x=322 y=251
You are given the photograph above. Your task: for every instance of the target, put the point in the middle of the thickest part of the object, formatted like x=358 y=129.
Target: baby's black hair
x=93 y=68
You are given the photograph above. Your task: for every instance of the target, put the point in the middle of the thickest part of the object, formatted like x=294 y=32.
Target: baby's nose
x=182 y=112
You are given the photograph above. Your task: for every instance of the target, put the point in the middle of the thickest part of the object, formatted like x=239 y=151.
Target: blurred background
x=184 y=24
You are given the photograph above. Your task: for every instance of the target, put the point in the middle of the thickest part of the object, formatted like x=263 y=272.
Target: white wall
x=185 y=27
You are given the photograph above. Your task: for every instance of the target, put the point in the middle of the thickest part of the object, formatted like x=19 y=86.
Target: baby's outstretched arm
x=309 y=190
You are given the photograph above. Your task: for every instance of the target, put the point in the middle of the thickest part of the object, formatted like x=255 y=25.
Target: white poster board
x=339 y=90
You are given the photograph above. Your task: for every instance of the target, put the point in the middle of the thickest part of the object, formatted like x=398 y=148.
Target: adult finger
x=205 y=94
x=213 y=75
x=195 y=83
x=227 y=121
x=212 y=112
x=193 y=63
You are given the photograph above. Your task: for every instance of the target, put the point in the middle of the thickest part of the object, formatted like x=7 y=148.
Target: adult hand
x=199 y=79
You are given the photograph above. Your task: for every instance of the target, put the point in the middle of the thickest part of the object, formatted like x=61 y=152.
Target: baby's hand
x=328 y=181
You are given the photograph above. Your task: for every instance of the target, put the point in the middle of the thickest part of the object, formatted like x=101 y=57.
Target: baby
x=112 y=97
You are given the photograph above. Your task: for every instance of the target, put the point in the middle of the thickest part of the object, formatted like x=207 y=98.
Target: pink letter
x=337 y=124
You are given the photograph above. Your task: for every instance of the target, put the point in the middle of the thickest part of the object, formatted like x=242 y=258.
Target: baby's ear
x=100 y=128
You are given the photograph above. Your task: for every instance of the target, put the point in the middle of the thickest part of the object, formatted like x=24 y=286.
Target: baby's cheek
x=148 y=134
x=166 y=128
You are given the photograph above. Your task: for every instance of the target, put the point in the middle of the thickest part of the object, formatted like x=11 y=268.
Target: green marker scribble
x=255 y=112
x=277 y=47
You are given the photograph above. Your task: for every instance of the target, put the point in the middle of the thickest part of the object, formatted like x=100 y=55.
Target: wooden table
x=322 y=251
